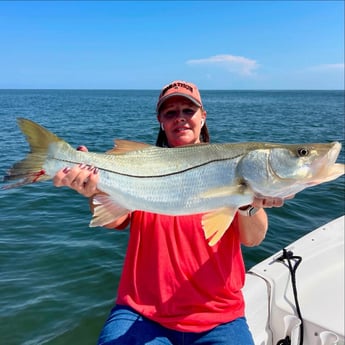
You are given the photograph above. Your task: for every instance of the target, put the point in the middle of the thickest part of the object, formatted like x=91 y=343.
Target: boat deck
x=320 y=291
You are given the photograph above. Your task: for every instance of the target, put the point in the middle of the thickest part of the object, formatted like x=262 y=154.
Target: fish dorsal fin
x=123 y=146
x=105 y=210
x=216 y=223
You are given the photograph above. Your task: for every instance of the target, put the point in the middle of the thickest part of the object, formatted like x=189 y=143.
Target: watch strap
x=248 y=211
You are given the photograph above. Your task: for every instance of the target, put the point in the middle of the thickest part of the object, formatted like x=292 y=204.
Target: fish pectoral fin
x=216 y=223
x=105 y=210
x=123 y=146
x=224 y=191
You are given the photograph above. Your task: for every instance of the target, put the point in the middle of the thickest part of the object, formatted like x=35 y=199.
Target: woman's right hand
x=82 y=178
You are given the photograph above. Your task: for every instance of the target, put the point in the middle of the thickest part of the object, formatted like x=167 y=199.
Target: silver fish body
x=201 y=178
x=208 y=178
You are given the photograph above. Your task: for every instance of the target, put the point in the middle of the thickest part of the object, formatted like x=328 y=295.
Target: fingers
x=82 y=178
x=82 y=148
x=274 y=202
x=89 y=186
x=268 y=202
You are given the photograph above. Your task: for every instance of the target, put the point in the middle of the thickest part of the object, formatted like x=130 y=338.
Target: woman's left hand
x=269 y=202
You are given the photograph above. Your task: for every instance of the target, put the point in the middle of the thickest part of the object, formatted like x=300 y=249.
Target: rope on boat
x=285 y=341
x=293 y=262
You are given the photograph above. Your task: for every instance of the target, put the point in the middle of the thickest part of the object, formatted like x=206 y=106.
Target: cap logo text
x=176 y=86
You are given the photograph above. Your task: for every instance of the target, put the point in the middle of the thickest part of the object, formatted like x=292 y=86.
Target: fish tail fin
x=30 y=169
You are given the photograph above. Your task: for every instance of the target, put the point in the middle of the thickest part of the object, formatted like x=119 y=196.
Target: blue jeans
x=126 y=327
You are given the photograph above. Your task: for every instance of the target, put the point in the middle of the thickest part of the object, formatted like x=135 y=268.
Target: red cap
x=179 y=88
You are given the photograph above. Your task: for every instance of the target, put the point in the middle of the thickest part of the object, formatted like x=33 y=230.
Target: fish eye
x=302 y=152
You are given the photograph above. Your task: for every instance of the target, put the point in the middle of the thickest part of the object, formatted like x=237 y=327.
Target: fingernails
x=95 y=171
x=82 y=166
x=66 y=170
x=82 y=148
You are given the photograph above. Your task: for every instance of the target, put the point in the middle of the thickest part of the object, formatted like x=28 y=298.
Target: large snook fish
x=212 y=179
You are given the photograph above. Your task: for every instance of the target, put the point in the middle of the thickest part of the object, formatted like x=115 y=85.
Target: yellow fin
x=30 y=169
x=123 y=146
x=105 y=210
x=216 y=223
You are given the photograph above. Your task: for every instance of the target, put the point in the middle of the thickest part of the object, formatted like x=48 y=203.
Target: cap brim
x=180 y=94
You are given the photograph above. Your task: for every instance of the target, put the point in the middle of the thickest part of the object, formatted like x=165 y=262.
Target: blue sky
x=146 y=44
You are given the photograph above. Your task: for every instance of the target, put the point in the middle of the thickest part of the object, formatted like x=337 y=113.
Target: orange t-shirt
x=172 y=276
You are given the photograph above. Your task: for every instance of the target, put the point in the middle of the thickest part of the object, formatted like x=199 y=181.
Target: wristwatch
x=248 y=210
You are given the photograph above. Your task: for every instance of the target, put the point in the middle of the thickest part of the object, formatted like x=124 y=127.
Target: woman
x=175 y=288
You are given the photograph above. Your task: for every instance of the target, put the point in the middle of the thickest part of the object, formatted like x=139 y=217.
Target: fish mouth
x=321 y=167
x=331 y=156
x=326 y=168
x=334 y=152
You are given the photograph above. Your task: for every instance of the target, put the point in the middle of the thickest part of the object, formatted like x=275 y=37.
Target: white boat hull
x=270 y=304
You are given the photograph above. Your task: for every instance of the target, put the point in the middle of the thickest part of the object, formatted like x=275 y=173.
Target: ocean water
x=58 y=277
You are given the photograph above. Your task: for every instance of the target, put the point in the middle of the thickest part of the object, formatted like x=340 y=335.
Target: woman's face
x=182 y=121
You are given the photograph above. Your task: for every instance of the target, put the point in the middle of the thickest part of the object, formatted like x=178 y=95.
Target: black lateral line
x=164 y=175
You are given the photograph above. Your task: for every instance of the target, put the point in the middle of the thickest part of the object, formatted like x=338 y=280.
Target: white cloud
x=328 y=67
x=232 y=63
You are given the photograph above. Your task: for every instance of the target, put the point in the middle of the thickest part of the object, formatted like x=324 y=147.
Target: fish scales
x=178 y=193
x=212 y=179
